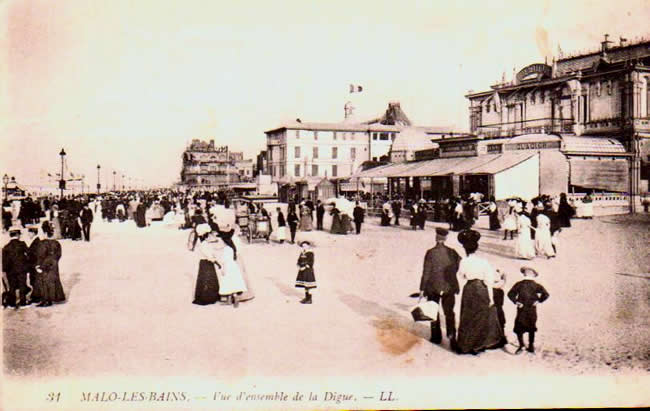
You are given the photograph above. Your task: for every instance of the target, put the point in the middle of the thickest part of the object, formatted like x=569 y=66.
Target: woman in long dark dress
x=337 y=225
x=210 y=250
x=140 y=215
x=479 y=327
x=48 y=254
x=495 y=224
x=564 y=212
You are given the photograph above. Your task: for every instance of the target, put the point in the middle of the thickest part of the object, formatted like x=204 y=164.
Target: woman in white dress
x=525 y=247
x=231 y=284
x=543 y=243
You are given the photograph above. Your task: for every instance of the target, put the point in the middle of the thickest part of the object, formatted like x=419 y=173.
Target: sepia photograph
x=324 y=204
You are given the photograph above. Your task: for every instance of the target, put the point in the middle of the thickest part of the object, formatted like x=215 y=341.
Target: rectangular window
x=374 y=136
x=353 y=153
x=315 y=135
x=335 y=171
x=271 y=154
x=282 y=171
x=383 y=136
x=335 y=152
x=315 y=152
x=297 y=170
x=314 y=170
x=334 y=135
x=297 y=152
x=297 y=133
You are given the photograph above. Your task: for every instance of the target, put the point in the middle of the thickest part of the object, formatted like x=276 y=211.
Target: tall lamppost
x=122 y=182
x=113 y=180
x=62 y=181
x=5 y=181
x=98 y=183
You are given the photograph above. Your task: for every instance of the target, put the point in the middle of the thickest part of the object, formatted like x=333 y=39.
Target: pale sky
x=126 y=84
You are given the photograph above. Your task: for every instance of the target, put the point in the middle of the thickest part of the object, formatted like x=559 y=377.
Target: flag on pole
x=355 y=88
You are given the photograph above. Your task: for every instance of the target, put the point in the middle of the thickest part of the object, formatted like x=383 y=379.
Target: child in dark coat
x=306 y=278
x=526 y=294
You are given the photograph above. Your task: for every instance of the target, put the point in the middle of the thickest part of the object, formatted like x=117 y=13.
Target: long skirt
x=494 y=220
x=525 y=247
x=56 y=227
x=50 y=286
x=281 y=233
x=346 y=224
x=543 y=243
x=207 y=284
x=337 y=226
x=306 y=222
x=479 y=327
x=232 y=282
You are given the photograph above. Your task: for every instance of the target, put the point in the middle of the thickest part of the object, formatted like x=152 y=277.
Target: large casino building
x=579 y=125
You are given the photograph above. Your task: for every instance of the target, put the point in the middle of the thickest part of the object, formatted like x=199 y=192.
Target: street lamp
x=122 y=182
x=98 y=184
x=113 y=180
x=62 y=181
x=5 y=181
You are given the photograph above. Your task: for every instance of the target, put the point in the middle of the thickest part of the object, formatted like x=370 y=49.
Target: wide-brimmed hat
x=32 y=227
x=529 y=271
x=468 y=236
x=15 y=229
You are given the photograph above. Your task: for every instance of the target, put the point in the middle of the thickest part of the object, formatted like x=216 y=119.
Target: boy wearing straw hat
x=526 y=294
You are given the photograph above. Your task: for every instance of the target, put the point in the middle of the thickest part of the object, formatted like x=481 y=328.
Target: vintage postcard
x=324 y=205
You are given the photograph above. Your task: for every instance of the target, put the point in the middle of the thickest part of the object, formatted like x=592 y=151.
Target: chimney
x=605 y=44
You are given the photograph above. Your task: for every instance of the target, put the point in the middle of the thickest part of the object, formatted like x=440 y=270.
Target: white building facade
x=299 y=150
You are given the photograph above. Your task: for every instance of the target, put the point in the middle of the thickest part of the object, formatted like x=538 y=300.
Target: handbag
x=425 y=311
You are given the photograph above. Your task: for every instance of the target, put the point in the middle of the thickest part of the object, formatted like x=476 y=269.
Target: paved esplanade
x=129 y=309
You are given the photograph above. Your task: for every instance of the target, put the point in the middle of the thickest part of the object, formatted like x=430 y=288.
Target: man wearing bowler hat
x=439 y=283
x=15 y=265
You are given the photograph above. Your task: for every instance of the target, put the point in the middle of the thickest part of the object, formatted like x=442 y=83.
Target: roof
x=594 y=145
x=294 y=125
x=534 y=138
x=485 y=164
x=412 y=139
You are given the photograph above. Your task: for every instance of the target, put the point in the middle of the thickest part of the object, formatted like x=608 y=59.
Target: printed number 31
x=54 y=396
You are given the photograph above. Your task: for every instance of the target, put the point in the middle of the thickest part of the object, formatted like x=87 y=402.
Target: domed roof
x=412 y=139
x=534 y=138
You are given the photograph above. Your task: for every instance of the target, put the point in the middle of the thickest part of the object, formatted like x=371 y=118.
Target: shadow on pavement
x=285 y=289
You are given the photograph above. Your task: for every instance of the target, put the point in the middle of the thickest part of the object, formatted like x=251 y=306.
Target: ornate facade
x=209 y=167
x=603 y=94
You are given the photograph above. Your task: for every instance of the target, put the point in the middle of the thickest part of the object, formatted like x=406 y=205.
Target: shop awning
x=593 y=145
x=485 y=164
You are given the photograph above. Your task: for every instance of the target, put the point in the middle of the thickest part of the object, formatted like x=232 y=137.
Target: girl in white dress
x=525 y=247
x=231 y=284
x=543 y=243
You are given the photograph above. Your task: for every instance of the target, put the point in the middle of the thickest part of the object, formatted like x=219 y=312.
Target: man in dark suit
x=15 y=265
x=32 y=246
x=86 y=218
x=439 y=283
x=358 y=215
x=320 y=212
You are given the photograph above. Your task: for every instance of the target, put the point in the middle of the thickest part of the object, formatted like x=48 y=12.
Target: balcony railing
x=542 y=126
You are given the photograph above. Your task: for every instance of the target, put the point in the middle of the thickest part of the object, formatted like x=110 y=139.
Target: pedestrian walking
x=306 y=278
x=543 y=242
x=439 y=283
x=565 y=211
x=48 y=254
x=292 y=220
x=526 y=294
x=495 y=224
x=422 y=214
x=525 y=247
x=320 y=213
x=210 y=260
x=231 y=282
x=397 y=210
x=15 y=265
x=86 y=219
x=479 y=327
x=33 y=240
x=358 y=213
x=282 y=227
